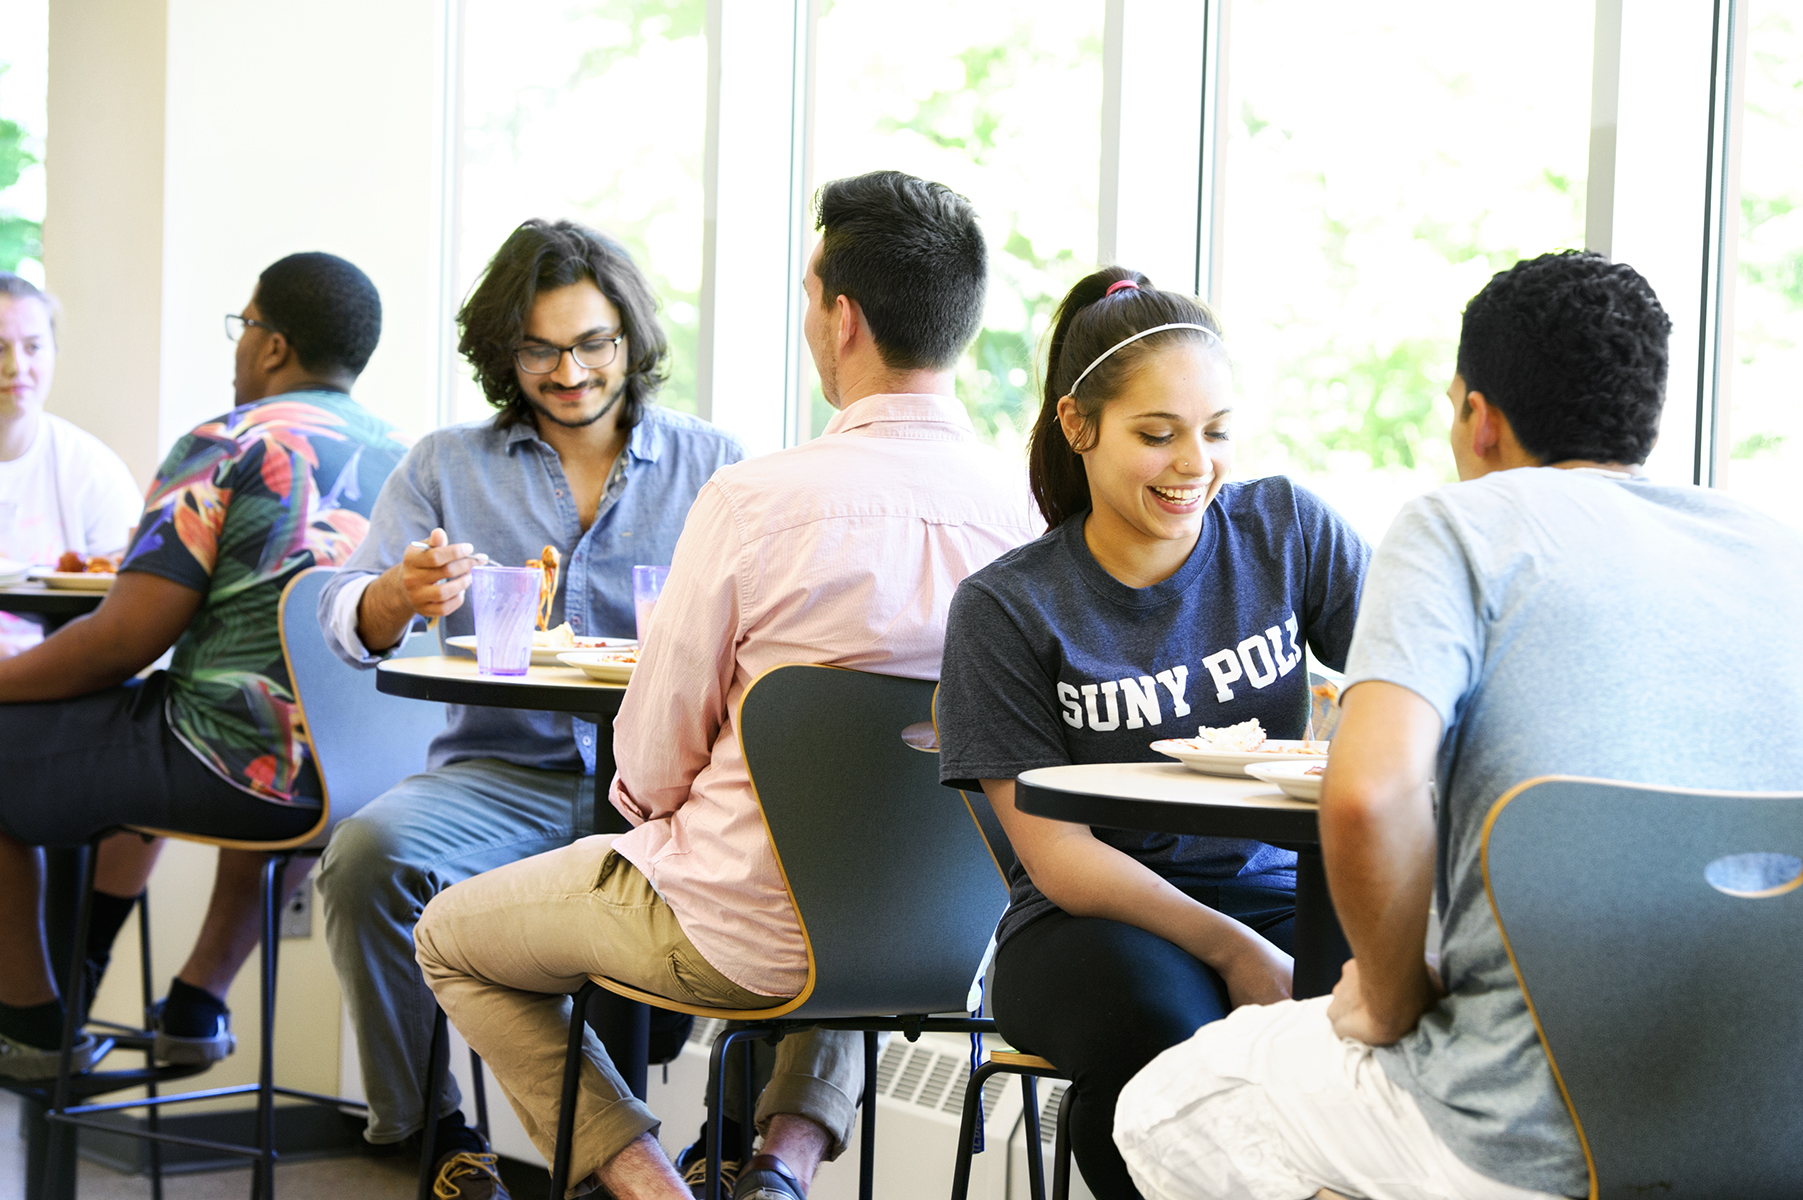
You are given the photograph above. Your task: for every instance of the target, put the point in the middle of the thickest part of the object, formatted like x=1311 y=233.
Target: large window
x=1381 y=164
x=24 y=62
x=1764 y=431
x=595 y=112
x=1000 y=101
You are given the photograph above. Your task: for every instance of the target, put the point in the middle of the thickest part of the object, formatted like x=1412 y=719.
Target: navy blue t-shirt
x=1051 y=660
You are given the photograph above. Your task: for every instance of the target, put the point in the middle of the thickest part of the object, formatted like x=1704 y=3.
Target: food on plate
x=561 y=638
x=1248 y=737
x=564 y=638
x=1317 y=769
x=547 y=588
x=74 y=563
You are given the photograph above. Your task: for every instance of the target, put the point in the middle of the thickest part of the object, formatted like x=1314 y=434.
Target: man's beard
x=585 y=422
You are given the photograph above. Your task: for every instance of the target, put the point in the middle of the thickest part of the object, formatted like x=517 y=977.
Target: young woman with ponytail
x=1161 y=598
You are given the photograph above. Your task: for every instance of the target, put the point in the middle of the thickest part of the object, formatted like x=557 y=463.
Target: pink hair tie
x=1118 y=285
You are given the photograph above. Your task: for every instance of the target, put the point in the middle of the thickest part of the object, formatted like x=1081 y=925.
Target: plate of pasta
x=547 y=644
x=604 y=666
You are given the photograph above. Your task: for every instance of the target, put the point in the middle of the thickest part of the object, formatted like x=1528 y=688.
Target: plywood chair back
x=1657 y=935
x=889 y=874
x=362 y=741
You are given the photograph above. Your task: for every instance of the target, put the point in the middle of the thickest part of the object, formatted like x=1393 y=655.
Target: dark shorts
x=72 y=768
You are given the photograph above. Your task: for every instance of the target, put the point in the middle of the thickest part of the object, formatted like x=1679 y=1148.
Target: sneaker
x=692 y=1165
x=19 y=1060
x=466 y=1175
x=766 y=1178
x=196 y=1046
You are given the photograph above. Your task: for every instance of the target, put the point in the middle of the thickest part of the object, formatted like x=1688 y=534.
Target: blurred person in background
x=61 y=488
x=211 y=746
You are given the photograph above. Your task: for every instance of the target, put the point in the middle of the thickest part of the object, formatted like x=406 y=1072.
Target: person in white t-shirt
x=61 y=488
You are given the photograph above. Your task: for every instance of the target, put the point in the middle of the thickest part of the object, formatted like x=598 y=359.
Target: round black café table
x=1171 y=798
x=56 y=605
x=623 y=1025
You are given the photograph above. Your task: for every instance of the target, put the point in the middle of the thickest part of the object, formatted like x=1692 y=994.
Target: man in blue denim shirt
x=563 y=337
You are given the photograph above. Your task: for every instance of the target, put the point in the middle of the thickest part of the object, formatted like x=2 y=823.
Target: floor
x=391 y=1177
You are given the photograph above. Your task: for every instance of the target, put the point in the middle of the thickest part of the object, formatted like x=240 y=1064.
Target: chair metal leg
x=428 y=1134
x=263 y=1170
x=1029 y=1093
x=572 y=1076
x=481 y=1092
x=57 y=1164
x=968 y=1123
x=867 y=1159
x=147 y=986
x=1061 y=1150
x=748 y=1126
x=716 y=1100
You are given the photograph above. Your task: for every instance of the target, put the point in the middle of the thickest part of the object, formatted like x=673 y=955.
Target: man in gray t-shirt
x=1554 y=613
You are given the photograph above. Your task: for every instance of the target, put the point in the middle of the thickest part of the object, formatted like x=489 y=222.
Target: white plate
x=604 y=665
x=546 y=656
x=13 y=572
x=1235 y=762
x=75 y=581
x=1292 y=778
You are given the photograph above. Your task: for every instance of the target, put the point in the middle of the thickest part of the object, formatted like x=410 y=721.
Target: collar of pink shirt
x=922 y=412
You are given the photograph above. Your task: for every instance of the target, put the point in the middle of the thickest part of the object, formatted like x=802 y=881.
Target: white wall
x=192 y=143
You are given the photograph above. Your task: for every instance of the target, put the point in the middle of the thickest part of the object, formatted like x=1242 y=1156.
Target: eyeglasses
x=591 y=354
x=235 y=326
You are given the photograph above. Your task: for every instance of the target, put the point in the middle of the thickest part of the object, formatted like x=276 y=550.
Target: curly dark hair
x=912 y=255
x=1574 y=350
x=545 y=255
x=1087 y=323
x=327 y=309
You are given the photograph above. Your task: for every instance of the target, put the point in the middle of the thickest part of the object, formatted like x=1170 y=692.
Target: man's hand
x=429 y=582
x=434 y=579
x=1351 y=1017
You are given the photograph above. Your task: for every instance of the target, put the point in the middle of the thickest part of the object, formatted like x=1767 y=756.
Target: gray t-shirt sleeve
x=995 y=712
x=1419 y=621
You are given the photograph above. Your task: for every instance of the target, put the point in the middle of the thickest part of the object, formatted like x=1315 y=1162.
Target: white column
x=103 y=222
x=755 y=233
x=1161 y=79
x=1654 y=208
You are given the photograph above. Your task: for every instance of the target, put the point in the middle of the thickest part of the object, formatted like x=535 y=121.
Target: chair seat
x=698 y=1010
x=1023 y=1062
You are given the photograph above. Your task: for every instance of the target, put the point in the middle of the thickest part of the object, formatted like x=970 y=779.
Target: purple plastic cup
x=647 y=586
x=506 y=607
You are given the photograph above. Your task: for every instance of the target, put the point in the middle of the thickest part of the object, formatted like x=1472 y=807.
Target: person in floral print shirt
x=212 y=745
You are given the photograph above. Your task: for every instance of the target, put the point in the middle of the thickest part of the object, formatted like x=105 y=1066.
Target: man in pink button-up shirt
x=844 y=551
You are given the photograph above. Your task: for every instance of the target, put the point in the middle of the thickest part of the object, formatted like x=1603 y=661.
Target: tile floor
x=362 y=1178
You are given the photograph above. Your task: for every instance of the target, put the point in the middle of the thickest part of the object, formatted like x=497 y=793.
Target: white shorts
x=1270 y=1104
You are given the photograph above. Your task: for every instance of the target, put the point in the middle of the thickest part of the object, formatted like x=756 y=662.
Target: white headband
x=1102 y=357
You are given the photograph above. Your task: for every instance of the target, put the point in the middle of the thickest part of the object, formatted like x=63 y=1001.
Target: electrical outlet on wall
x=297 y=915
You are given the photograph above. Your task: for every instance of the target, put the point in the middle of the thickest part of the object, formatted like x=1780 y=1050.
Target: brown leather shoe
x=466 y=1175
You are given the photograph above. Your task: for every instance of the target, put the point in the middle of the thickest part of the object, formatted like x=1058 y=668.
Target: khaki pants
x=504 y=950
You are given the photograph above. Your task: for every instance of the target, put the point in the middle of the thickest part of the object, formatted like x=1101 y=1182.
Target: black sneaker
x=691 y=1164
x=20 y=1060
x=466 y=1175
x=198 y=1045
x=766 y=1178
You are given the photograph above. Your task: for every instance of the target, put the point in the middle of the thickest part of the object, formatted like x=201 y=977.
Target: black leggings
x=1101 y=1000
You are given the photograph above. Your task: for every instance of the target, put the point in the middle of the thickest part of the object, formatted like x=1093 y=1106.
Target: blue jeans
x=382 y=868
